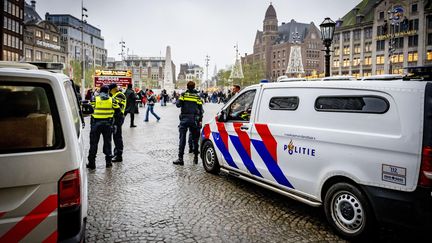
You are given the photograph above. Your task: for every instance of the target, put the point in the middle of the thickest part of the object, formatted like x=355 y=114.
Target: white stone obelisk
x=168 y=82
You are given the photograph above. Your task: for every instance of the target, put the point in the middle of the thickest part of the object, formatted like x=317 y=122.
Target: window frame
x=351 y=111
x=228 y=107
x=284 y=109
x=58 y=130
x=75 y=107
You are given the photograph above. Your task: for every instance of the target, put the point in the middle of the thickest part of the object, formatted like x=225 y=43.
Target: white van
x=43 y=181
x=362 y=150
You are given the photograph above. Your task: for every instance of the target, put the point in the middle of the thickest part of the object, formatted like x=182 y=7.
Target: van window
x=71 y=96
x=284 y=103
x=358 y=104
x=29 y=119
x=241 y=108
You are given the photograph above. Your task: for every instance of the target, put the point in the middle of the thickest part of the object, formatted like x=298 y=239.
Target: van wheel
x=348 y=211
x=209 y=158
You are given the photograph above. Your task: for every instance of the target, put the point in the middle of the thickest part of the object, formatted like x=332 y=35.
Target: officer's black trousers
x=132 y=116
x=118 y=137
x=194 y=130
x=190 y=141
x=98 y=128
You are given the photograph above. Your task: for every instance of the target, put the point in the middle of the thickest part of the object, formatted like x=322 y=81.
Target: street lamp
x=83 y=15
x=207 y=60
x=327 y=32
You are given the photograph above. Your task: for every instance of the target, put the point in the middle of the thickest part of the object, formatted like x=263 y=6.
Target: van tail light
x=69 y=189
x=425 y=178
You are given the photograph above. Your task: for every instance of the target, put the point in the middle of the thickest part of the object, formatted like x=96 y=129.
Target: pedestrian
x=190 y=119
x=131 y=98
x=120 y=98
x=101 y=123
x=151 y=100
x=162 y=98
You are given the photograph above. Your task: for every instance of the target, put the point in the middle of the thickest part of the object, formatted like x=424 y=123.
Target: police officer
x=101 y=123
x=190 y=118
x=120 y=98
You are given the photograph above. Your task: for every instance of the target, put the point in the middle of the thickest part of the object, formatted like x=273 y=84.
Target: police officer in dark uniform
x=190 y=118
x=101 y=123
x=120 y=98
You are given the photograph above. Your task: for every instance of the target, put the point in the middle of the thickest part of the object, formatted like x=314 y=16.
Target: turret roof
x=270 y=13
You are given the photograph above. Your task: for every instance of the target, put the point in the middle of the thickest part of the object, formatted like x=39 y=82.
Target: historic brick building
x=272 y=46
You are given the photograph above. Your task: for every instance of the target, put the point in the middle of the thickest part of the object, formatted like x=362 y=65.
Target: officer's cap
x=112 y=86
x=104 y=89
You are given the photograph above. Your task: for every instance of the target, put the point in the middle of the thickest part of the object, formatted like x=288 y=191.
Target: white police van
x=43 y=181
x=360 y=149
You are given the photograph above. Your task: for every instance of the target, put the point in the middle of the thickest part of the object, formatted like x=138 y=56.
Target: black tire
x=348 y=212
x=209 y=158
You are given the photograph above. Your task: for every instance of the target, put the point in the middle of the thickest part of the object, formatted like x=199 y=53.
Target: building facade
x=190 y=72
x=12 y=20
x=146 y=71
x=94 y=44
x=384 y=36
x=42 y=42
x=272 y=46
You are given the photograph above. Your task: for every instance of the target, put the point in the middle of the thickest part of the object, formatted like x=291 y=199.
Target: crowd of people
x=110 y=105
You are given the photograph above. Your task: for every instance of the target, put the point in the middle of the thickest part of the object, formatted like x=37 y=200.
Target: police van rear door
x=31 y=151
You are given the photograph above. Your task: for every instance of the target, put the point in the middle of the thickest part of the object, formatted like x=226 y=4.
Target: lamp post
x=83 y=15
x=327 y=32
x=122 y=54
x=207 y=60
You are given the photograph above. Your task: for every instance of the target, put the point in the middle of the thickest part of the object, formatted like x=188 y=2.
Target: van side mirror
x=222 y=117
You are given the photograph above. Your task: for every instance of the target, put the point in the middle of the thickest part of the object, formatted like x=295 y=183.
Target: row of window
x=278 y=54
x=11 y=56
x=357 y=49
x=398 y=43
x=380 y=59
x=46 y=36
x=314 y=45
x=13 y=9
x=12 y=25
x=312 y=54
x=279 y=64
x=346 y=36
x=39 y=56
x=312 y=63
x=352 y=104
x=12 y=41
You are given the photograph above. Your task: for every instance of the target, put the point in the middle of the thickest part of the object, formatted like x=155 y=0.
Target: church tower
x=270 y=34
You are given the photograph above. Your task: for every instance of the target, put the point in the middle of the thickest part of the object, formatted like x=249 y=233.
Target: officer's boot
x=117 y=159
x=179 y=161
x=108 y=162
x=91 y=164
x=195 y=160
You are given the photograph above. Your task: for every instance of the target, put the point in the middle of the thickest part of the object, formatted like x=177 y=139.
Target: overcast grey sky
x=193 y=28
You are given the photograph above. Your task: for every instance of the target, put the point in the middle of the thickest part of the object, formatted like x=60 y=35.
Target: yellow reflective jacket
x=104 y=109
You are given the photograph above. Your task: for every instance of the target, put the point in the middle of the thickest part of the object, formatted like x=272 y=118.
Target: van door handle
x=244 y=128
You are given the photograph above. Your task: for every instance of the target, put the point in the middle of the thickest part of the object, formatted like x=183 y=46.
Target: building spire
x=237 y=70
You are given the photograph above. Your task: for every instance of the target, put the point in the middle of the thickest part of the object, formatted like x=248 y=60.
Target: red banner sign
x=120 y=81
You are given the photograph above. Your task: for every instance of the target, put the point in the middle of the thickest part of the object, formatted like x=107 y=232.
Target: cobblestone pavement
x=146 y=198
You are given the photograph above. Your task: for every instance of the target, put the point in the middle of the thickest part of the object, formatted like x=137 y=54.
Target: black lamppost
x=327 y=32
